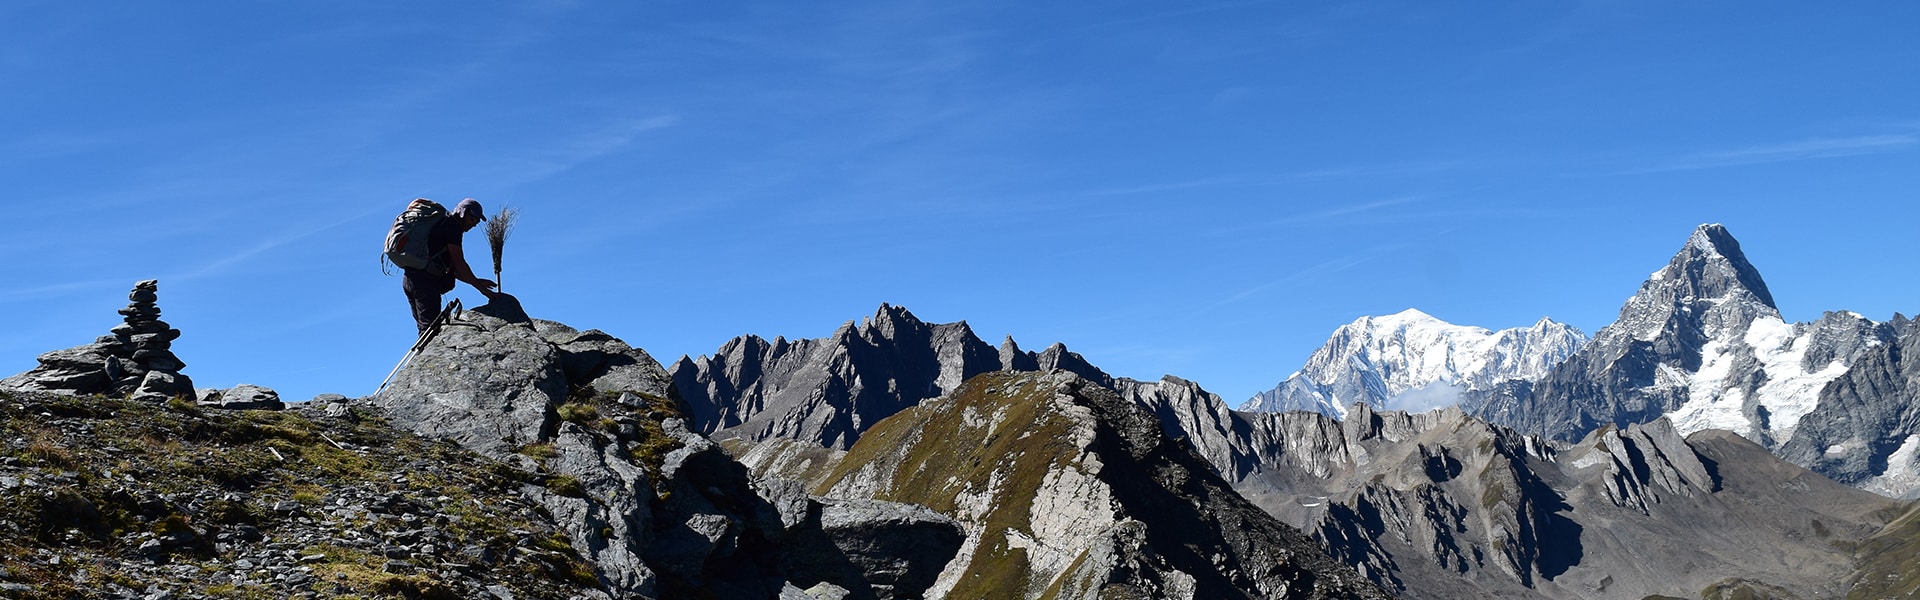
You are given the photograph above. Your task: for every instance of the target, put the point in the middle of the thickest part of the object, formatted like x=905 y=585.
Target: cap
x=469 y=207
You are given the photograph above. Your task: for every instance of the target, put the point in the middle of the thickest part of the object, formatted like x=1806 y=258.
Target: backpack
x=407 y=239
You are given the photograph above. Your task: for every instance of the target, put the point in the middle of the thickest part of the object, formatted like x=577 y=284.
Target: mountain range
x=1701 y=343
x=904 y=459
x=1432 y=505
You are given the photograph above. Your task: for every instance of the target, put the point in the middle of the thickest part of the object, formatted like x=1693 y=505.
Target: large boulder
x=488 y=383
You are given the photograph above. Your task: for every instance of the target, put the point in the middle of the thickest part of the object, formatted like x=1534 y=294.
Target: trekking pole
x=446 y=315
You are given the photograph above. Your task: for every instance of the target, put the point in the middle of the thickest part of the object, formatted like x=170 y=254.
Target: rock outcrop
x=656 y=509
x=1066 y=490
x=827 y=391
x=136 y=360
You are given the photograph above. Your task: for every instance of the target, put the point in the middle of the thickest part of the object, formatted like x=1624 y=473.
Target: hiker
x=446 y=265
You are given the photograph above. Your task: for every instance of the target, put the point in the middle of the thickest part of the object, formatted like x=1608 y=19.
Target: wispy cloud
x=572 y=152
x=43 y=291
x=224 y=263
x=1324 y=215
x=1809 y=149
x=1315 y=271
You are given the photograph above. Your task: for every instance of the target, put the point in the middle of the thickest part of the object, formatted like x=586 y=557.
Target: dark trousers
x=423 y=294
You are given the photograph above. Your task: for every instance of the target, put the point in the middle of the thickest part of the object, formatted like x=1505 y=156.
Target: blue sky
x=1200 y=189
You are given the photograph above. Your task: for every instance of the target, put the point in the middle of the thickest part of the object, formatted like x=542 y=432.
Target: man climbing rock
x=447 y=264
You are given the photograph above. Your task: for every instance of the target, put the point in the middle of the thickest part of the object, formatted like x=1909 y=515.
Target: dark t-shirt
x=437 y=278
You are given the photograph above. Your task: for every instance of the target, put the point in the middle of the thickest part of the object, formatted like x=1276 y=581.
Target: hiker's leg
x=426 y=305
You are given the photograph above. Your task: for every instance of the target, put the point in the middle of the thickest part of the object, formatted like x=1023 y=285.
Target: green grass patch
x=1011 y=429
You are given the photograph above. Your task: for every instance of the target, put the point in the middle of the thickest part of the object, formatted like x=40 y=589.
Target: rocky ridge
x=1412 y=361
x=829 y=390
x=1076 y=493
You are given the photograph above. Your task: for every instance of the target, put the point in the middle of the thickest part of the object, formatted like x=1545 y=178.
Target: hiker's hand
x=485 y=286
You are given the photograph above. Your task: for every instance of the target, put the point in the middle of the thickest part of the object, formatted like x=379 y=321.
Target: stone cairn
x=149 y=370
x=137 y=361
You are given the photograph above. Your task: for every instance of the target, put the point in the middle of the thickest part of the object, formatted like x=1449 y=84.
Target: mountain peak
x=1712 y=265
x=1407 y=317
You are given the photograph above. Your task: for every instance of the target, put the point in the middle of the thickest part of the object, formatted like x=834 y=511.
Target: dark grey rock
x=77 y=370
x=486 y=383
x=827 y=391
x=161 y=385
x=1865 y=418
x=245 y=396
x=899 y=549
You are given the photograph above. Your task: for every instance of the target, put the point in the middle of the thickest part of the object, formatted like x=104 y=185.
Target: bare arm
x=457 y=258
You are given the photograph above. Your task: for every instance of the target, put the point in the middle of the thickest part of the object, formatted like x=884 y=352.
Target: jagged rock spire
x=829 y=390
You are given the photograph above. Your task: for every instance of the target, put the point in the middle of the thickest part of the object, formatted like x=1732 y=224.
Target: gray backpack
x=407 y=239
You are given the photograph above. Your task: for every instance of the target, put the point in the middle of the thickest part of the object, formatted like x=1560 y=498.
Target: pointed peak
x=890 y=318
x=1713 y=262
x=1710 y=237
x=889 y=311
x=1009 y=344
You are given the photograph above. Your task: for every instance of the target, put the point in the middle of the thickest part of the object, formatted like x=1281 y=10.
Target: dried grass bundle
x=498 y=228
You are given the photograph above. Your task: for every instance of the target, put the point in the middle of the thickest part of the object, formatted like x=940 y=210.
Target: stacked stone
x=137 y=360
x=147 y=368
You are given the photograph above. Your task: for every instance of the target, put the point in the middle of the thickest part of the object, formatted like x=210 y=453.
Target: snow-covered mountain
x=1703 y=344
x=1413 y=361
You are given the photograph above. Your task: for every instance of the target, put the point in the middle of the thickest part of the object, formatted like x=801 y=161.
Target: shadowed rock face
x=829 y=390
x=1443 y=505
x=1866 y=430
x=1069 y=491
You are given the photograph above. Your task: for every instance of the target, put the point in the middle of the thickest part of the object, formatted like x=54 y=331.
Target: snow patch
x=1790 y=392
x=1902 y=477
x=1709 y=404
